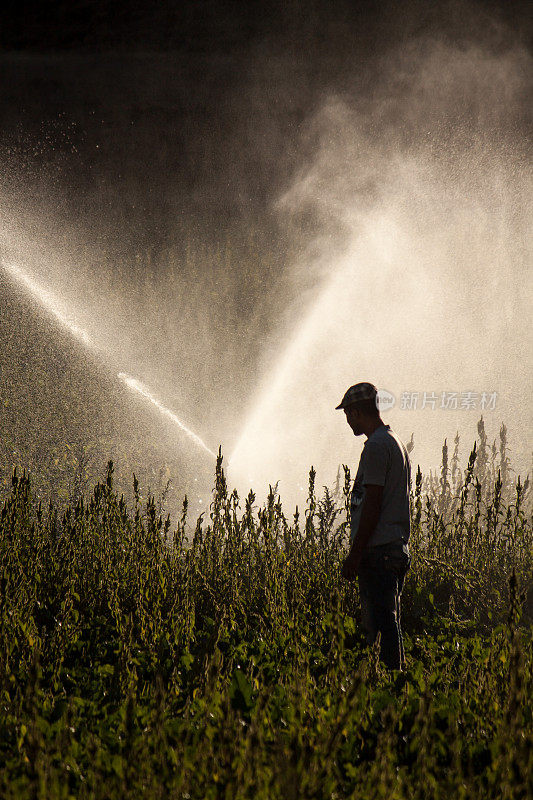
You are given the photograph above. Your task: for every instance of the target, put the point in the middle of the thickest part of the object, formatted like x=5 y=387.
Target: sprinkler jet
x=57 y=309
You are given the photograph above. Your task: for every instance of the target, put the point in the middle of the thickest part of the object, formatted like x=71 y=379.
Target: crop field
x=223 y=657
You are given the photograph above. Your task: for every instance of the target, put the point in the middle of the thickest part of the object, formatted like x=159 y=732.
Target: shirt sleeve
x=376 y=457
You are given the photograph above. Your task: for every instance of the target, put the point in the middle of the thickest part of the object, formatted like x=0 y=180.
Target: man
x=380 y=522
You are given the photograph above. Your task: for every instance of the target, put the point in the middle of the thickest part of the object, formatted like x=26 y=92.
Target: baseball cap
x=359 y=391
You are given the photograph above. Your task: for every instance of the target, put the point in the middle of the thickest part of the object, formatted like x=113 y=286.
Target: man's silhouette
x=380 y=522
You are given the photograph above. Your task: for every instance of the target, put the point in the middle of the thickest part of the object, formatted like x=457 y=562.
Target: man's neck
x=373 y=426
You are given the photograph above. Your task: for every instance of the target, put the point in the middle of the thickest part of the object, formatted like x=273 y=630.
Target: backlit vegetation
x=225 y=659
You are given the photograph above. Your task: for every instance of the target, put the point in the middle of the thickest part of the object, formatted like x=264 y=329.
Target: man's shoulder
x=384 y=441
x=383 y=437
x=376 y=449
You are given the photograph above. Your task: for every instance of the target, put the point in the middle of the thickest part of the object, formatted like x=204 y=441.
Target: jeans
x=381 y=577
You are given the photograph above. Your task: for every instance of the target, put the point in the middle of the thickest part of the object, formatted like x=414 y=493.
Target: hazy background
x=250 y=207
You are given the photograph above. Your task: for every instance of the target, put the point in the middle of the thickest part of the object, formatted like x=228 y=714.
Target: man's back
x=384 y=462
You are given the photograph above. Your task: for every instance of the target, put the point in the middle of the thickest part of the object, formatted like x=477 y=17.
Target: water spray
x=139 y=387
x=58 y=310
x=48 y=300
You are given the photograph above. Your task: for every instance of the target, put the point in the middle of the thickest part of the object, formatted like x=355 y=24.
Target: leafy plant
x=225 y=659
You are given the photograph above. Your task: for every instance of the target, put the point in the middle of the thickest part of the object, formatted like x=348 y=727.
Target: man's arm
x=369 y=519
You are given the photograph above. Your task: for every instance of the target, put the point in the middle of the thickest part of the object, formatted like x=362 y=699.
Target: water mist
x=57 y=309
x=421 y=197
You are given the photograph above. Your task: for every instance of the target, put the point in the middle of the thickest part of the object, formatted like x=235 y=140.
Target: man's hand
x=367 y=524
x=350 y=567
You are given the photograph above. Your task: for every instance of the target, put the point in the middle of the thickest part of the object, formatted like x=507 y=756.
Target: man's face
x=353 y=418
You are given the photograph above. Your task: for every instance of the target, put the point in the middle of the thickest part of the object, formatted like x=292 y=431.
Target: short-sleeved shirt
x=384 y=462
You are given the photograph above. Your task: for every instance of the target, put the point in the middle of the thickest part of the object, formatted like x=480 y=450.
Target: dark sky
x=221 y=25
